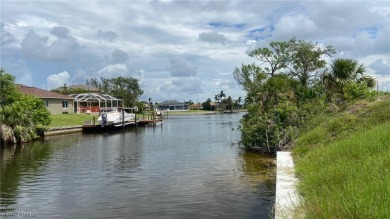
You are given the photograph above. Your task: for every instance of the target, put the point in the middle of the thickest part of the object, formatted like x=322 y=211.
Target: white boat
x=114 y=117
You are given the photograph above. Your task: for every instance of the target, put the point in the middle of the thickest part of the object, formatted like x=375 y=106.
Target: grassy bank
x=343 y=162
x=73 y=119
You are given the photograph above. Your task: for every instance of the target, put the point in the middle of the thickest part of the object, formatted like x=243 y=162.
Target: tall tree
x=276 y=57
x=125 y=88
x=306 y=58
x=207 y=104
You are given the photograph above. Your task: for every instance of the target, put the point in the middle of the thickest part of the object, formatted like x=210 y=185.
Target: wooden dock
x=91 y=126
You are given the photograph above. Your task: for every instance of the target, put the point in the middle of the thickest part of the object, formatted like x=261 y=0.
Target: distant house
x=173 y=105
x=196 y=106
x=146 y=107
x=55 y=102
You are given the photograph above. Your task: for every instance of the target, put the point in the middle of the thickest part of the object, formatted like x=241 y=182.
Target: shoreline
x=79 y=128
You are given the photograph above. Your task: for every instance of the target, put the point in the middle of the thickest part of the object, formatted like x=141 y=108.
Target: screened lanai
x=95 y=103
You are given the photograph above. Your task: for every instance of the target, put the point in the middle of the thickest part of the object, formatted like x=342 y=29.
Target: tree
x=306 y=58
x=228 y=103
x=7 y=88
x=275 y=57
x=347 y=74
x=207 y=104
x=125 y=88
x=189 y=102
x=19 y=114
x=219 y=97
x=66 y=91
x=280 y=95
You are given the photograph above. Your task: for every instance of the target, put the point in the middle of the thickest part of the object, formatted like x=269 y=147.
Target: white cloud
x=180 y=67
x=57 y=80
x=36 y=47
x=5 y=36
x=26 y=79
x=212 y=37
x=298 y=26
x=381 y=67
x=119 y=56
x=80 y=77
x=113 y=71
x=108 y=36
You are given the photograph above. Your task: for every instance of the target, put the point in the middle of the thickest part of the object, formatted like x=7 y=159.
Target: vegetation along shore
x=332 y=118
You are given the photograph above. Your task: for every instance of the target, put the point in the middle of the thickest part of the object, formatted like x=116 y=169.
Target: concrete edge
x=63 y=130
x=286 y=197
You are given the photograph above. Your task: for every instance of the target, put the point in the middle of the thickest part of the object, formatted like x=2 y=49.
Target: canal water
x=190 y=167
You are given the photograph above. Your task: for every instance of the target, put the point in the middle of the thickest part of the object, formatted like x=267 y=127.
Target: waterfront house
x=55 y=102
x=196 y=106
x=146 y=107
x=173 y=105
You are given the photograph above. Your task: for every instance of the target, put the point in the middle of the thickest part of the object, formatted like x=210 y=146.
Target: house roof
x=38 y=92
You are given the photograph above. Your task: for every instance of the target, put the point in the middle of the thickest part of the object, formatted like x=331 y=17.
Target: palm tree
x=345 y=71
x=222 y=94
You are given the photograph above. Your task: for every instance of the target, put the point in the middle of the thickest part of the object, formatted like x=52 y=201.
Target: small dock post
x=123 y=119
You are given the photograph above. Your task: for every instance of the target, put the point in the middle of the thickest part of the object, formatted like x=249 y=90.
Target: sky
x=178 y=49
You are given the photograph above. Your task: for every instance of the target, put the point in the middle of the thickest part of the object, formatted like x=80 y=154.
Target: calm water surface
x=190 y=167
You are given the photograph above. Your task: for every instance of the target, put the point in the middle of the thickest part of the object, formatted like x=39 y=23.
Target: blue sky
x=183 y=50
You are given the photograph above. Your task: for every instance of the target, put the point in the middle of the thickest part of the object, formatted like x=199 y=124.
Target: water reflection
x=19 y=163
x=189 y=167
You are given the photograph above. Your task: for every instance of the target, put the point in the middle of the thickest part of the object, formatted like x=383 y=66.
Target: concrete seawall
x=63 y=130
x=286 y=197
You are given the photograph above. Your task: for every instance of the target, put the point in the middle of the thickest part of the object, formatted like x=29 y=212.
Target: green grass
x=63 y=120
x=343 y=163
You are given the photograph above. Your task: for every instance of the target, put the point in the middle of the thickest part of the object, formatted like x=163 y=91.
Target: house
x=55 y=102
x=196 y=106
x=146 y=107
x=173 y=105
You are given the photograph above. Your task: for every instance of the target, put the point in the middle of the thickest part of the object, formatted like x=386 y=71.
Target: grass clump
x=343 y=163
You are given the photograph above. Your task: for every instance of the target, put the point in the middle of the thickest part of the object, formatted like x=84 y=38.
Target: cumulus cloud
x=113 y=71
x=187 y=84
x=36 y=47
x=60 y=32
x=26 y=79
x=5 y=36
x=108 y=36
x=180 y=67
x=80 y=77
x=58 y=80
x=300 y=26
x=216 y=5
x=212 y=37
x=380 y=67
x=186 y=87
x=119 y=56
